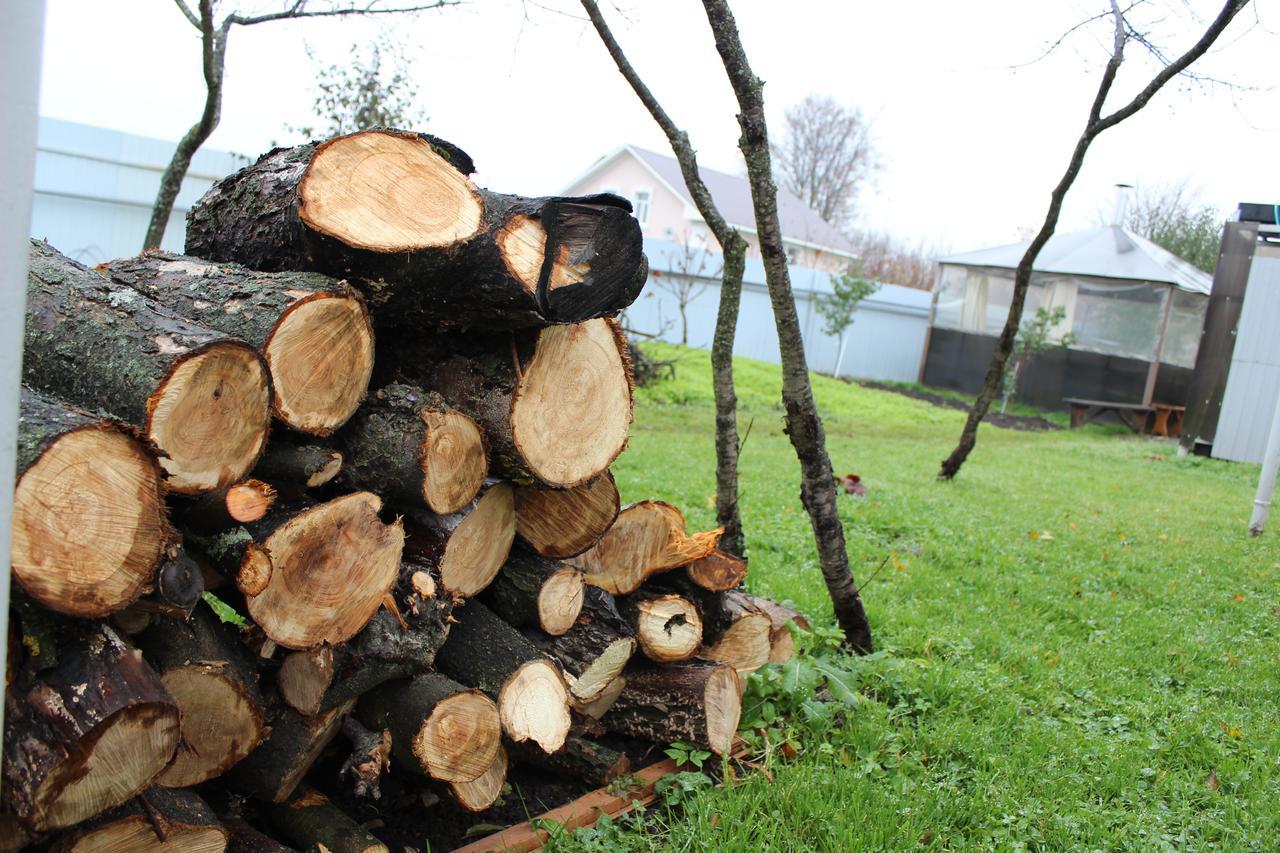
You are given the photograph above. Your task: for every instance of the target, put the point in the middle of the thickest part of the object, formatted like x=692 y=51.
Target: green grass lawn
x=1077 y=638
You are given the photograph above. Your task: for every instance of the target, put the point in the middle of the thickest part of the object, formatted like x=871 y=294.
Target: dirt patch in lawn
x=1027 y=423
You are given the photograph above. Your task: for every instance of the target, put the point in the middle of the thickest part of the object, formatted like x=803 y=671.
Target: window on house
x=641 y=205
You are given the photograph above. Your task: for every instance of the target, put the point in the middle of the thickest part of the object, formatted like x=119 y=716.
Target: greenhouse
x=1134 y=312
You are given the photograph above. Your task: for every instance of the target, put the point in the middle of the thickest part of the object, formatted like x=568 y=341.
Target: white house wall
x=1253 y=382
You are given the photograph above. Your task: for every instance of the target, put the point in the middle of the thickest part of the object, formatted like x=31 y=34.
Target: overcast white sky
x=972 y=147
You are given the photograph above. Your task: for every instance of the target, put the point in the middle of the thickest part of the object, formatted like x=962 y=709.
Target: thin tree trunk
x=214 y=47
x=803 y=424
x=734 y=248
x=1096 y=124
x=844 y=342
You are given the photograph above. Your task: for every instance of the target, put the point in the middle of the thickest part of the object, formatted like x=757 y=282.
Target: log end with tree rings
x=722 y=699
x=387 y=191
x=565 y=522
x=249 y=500
x=522 y=241
x=648 y=537
x=482 y=792
x=90 y=525
x=320 y=354
x=331 y=567
x=745 y=645
x=534 y=705
x=480 y=543
x=560 y=601
x=460 y=739
x=454 y=463
x=210 y=415
x=718 y=571
x=571 y=410
x=221 y=724
x=602 y=673
x=668 y=627
x=158 y=819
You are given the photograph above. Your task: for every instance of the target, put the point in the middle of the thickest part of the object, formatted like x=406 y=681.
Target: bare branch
x=298 y=10
x=188 y=14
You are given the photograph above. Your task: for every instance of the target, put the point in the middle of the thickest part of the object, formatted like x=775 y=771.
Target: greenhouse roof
x=1105 y=252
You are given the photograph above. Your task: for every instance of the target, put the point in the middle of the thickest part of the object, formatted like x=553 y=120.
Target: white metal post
x=1267 y=482
x=20 y=42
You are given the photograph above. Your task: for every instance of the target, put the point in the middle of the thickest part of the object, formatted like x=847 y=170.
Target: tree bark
x=595 y=650
x=467 y=547
x=485 y=652
x=203 y=398
x=697 y=703
x=274 y=769
x=585 y=760
x=370 y=757
x=312 y=822
x=306 y=465
x=803 y=424
x=563 y=523
x=1094 y=125
x=243 y=838
x=248 y=500
x=555 y=403
x=734 y=248
x=414 y=449
x=158 y=818
x=648 y=537
x=313 y=331
x=535 y=592
x=90 y=527
x=445 y=254
x=87 y=726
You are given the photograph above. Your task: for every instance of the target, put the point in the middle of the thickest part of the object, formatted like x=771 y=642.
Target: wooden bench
x=1161 y=418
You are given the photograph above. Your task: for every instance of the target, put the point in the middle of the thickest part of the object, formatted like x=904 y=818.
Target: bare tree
x=1175 y=218
x=213 y=46
x=687 y=282
x=825 y=156
x=893 y=261
x=372 y=89
x=734 y=248
x=1094 y=125
x=803 y=425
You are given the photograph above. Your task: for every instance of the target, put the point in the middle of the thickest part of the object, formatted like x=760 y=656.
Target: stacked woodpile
x=245 y=536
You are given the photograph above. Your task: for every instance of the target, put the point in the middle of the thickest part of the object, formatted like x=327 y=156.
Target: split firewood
x=438 y=727
x=718 y=571
x=88 y=725
x=239 y=503
x=554 y=403
x=595 y=650
x=563 y=523
x=694 y=702
x=309 y=820
x=272 y=771
x=485 y=652
x=481 y=793
x=90 y=527
x=313 y=331
x=468 y=547
x=203 y=667
x=414 y=449
x=201 y=396
x=598 y=707
x=781 y=643
x=307 y=465
x=668 y=628
x=370 y=757
x=398 y=210
x=157 y=819
x=649 y=537
x=582 y=759
x=535 y=592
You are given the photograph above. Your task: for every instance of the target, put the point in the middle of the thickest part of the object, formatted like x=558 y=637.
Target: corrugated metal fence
x=1254 y=379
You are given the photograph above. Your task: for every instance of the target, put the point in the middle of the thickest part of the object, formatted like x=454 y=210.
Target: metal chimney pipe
x=1121 y=208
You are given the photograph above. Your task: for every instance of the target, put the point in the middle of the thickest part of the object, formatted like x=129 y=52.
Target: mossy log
x=202 y=397
x=157 y=819
x=415 y=449
x=595 y=650
x=90 y=526
x=565 y=522
x=313 y=331
x=535 y=592
x=398 y=211
x=694 y=702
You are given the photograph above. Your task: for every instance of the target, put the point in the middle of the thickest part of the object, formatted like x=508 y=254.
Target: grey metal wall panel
x=1254 y=381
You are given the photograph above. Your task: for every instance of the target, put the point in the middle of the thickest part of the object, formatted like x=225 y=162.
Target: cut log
x=314 y=331
x=398 y=209
x=719 y=571
x=555 y=405
x=468 y=547
x=312 y=822
x=331 y=567
x=306 y=465
x=86 y=734
x=667 y=627
x=159 y=819
x=595 y=650
x=479 y=794
x=781 y=643
x=597 y=708
x=248 y=500
x=234 y=554
x=414 y=449
x=202 y=666
x=649 y=537
x=565 y=522
x=534 y=592
x=274 y=769
x=697 y=703
x=391 y=646
x=243 y=838
x=202 y=397
x=485 y=652
x=90 y=527
x=438 y=727
x=179 y=584
x=735 y=631
x=13 y=835
x=370 y=757
x=585 y=760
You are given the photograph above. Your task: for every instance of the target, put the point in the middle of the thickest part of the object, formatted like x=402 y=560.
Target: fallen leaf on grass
x=853 y=485
x=1211 y=781
x=1237 y=598
x=1233 y=732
